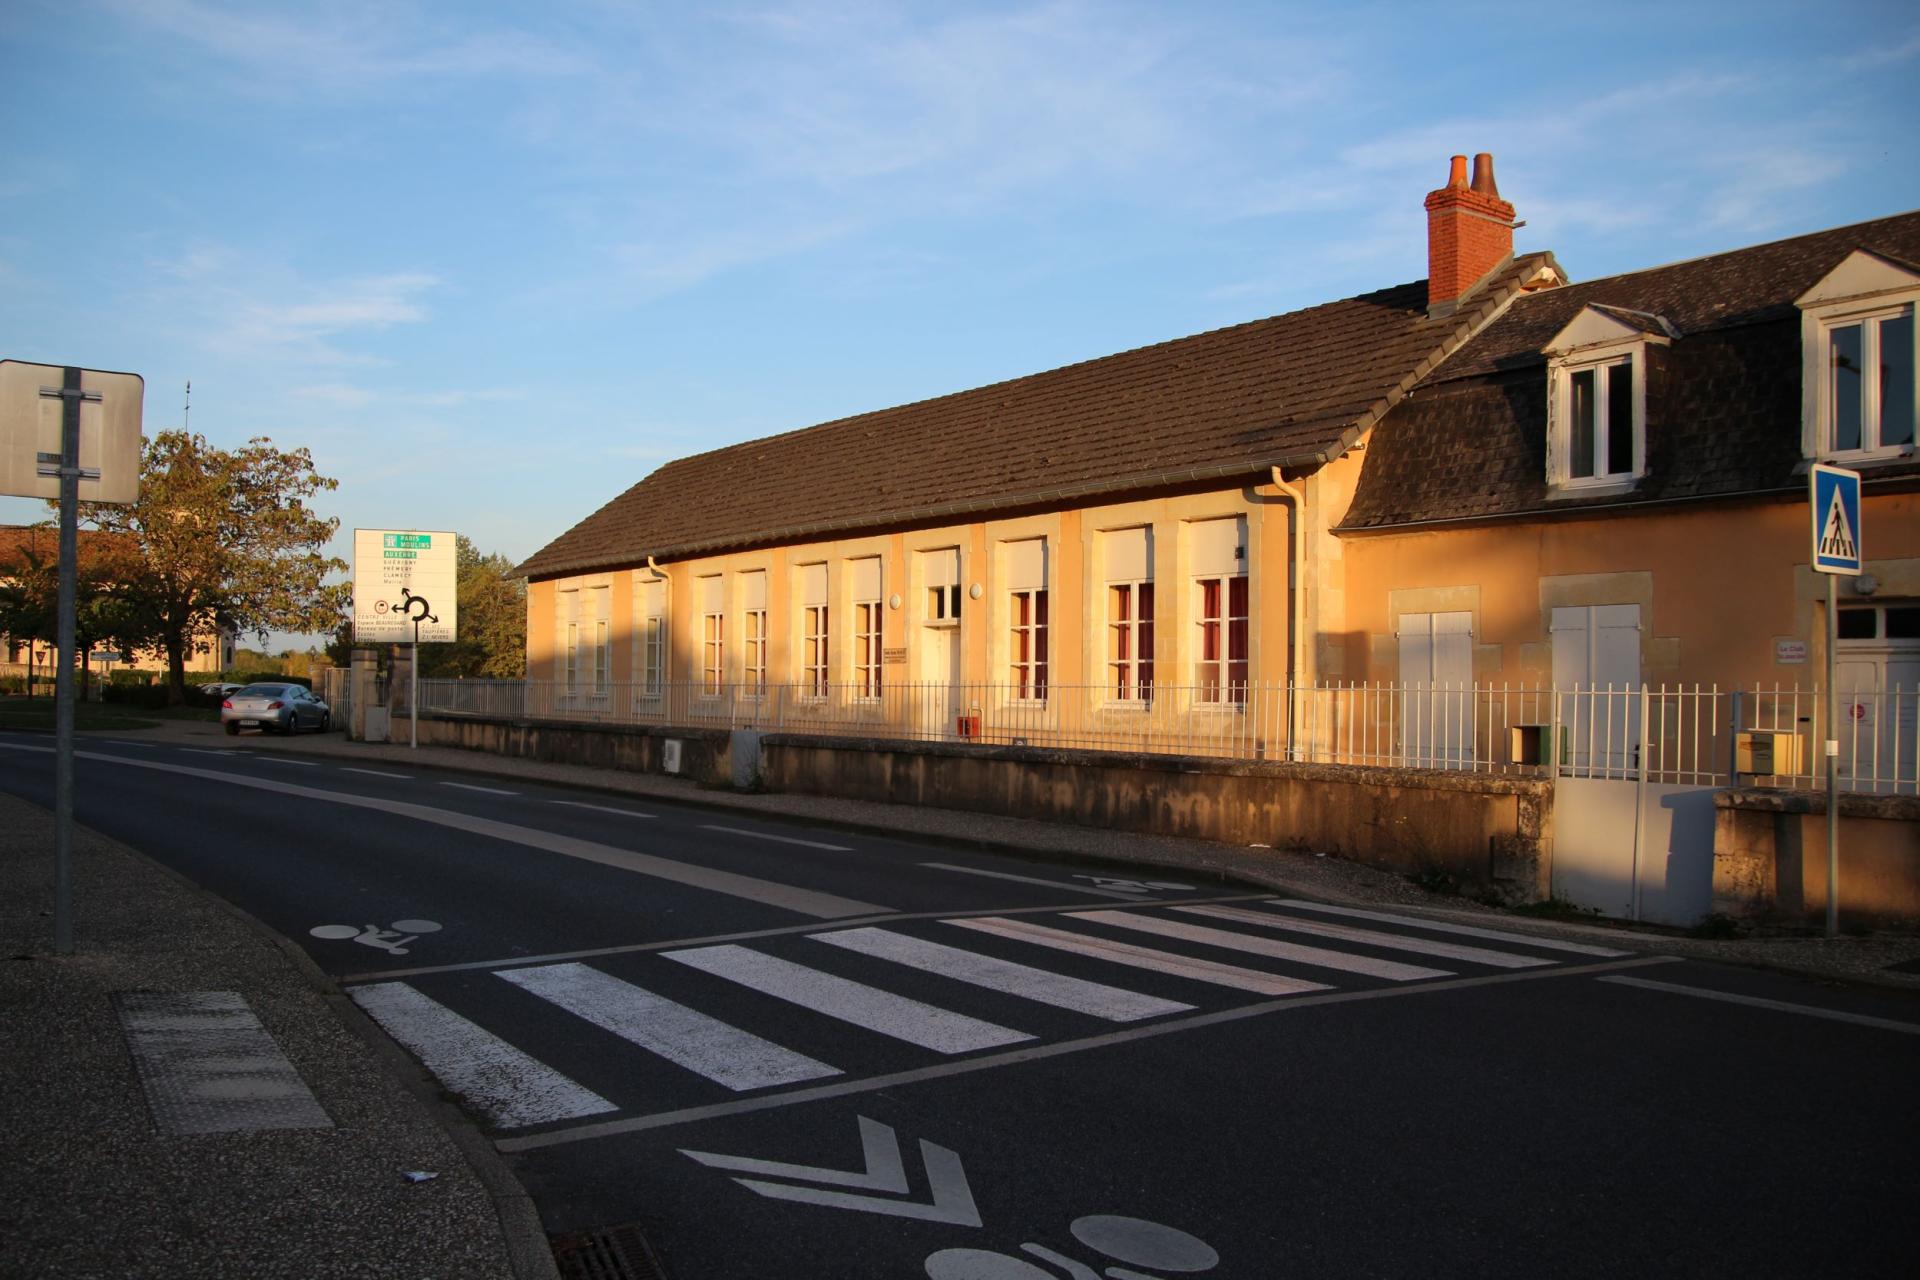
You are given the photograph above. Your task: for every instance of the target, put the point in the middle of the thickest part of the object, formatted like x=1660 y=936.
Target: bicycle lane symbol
x=1137 y=1242
x=392 y=940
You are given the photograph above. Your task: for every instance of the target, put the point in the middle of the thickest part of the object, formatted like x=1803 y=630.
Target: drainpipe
x=1297 y=545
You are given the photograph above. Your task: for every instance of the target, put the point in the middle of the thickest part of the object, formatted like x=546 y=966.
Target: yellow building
x=1490 y=478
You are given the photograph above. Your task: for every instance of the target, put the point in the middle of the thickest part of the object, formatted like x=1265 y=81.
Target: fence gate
x=1633 y=802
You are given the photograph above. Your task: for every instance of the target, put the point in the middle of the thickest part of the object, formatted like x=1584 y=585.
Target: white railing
x=1877 y=729
x=1676 y=734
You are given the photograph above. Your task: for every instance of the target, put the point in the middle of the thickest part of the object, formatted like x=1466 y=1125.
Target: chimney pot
x=1469 y=233
x=1483 y=175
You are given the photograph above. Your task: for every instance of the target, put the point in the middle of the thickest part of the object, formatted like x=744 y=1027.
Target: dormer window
x=1858 y=355
x=1597 y=398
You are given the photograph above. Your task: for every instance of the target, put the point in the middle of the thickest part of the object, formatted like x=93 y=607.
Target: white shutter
x=942 y=568
x=753 y=590
x=1027 y=564
x=812 y=584
x=866 y=578
x=712 y=595
x=653 y=599
x=1218 y=547
x=1129 y=555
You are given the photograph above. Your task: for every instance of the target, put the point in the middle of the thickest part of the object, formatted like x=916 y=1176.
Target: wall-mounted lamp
x=893 y=601
x=975 y=591
x=1865 y=585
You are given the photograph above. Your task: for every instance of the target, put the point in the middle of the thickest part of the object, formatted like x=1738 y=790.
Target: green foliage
x=493 y=621
x=220 y=538
x=151 y=696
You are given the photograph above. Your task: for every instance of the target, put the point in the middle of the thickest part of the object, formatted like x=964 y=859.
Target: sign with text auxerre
x=402 y=577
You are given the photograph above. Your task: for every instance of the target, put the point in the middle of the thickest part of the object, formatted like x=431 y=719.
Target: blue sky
x=494 y=263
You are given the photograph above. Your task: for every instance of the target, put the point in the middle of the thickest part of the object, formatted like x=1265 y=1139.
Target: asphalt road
x=786 y=1051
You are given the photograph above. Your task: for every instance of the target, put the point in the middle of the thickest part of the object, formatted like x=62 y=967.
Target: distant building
x=21 y=543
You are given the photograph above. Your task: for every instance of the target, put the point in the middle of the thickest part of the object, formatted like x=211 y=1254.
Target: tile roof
x=1723 y=399
x=1295 y=388
x=18 y=541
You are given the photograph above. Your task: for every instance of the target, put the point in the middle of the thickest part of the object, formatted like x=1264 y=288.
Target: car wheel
x=326 y=721
x=233 y=730
x=293 y=724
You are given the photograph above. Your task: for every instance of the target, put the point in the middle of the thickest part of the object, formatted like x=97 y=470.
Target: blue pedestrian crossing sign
x=1836 y=519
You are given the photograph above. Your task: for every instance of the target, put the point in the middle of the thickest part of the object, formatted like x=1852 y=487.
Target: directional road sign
x=402 y=577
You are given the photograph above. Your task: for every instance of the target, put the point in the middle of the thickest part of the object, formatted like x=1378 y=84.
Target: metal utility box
x=1527 y=744
x=1767 y=753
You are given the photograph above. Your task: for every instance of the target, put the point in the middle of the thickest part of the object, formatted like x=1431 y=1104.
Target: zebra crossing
x=828 y=1004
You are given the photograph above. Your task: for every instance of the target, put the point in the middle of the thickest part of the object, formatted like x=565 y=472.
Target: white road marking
x=487 y=1072
x=726 y=1055
x=1040 y=1052
x=952 y=1199
x=492 y=791
x=885 y=1170
x=762 y=835
x=201 y=751
x=1318 y=957
x=1463 y=930
x=304 y=764
x=938 y=1029
x=377 y=773
x=605 y=808
x=122 y=742
x=1778 y=1006
x=1057 y=989
x=1372 y=937
x=1224 y=975
x=1127 y=895
x=807 y=902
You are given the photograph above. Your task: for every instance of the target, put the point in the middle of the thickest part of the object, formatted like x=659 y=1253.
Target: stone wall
x=1486 y=832
x=1770 y=858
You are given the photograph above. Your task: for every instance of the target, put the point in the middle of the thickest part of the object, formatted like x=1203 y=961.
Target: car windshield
x=263 y=691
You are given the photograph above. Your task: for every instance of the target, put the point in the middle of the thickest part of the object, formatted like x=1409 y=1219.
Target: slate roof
x=1723 y=398
x=1294 y=389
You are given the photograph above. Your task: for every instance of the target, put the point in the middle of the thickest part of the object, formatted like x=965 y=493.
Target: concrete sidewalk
x=94 y=1183
x=97 y=1187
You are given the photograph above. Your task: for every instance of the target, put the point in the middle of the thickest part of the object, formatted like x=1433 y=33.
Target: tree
x=30 y=597
x=492 y=620
x=222 y=539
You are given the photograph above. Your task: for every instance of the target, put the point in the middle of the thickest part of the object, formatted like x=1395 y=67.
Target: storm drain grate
x=611 y=1253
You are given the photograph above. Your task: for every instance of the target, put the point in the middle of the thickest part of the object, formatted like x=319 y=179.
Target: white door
x=1436 y=678
x=1879 y=722
x=1596 y=671
x=940 y=680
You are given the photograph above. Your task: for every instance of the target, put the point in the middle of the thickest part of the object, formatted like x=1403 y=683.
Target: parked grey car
x=275 y=708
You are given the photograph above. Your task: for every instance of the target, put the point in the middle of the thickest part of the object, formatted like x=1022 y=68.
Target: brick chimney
x=1469 y=233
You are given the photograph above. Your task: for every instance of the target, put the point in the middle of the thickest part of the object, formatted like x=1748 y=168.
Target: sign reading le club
x=403 y=578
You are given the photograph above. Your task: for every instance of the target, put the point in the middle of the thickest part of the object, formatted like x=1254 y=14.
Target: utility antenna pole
x=186 y=412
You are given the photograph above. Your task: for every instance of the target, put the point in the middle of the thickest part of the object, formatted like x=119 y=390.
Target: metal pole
x=63 y=673
x=1833 y=765
x=413 y=691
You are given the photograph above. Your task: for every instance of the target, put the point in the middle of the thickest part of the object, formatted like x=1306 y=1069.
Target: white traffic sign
x=1835 y=501
x=32 y=400
x=403 y=578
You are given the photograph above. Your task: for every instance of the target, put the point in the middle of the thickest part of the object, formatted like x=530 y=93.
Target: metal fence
x=1680 y=734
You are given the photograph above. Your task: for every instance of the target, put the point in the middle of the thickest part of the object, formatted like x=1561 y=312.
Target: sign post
x=404 y=590
x=45 y=453
x=1834 y=501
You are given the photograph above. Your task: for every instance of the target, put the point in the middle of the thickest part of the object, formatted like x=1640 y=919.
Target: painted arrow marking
x=946 y=1180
